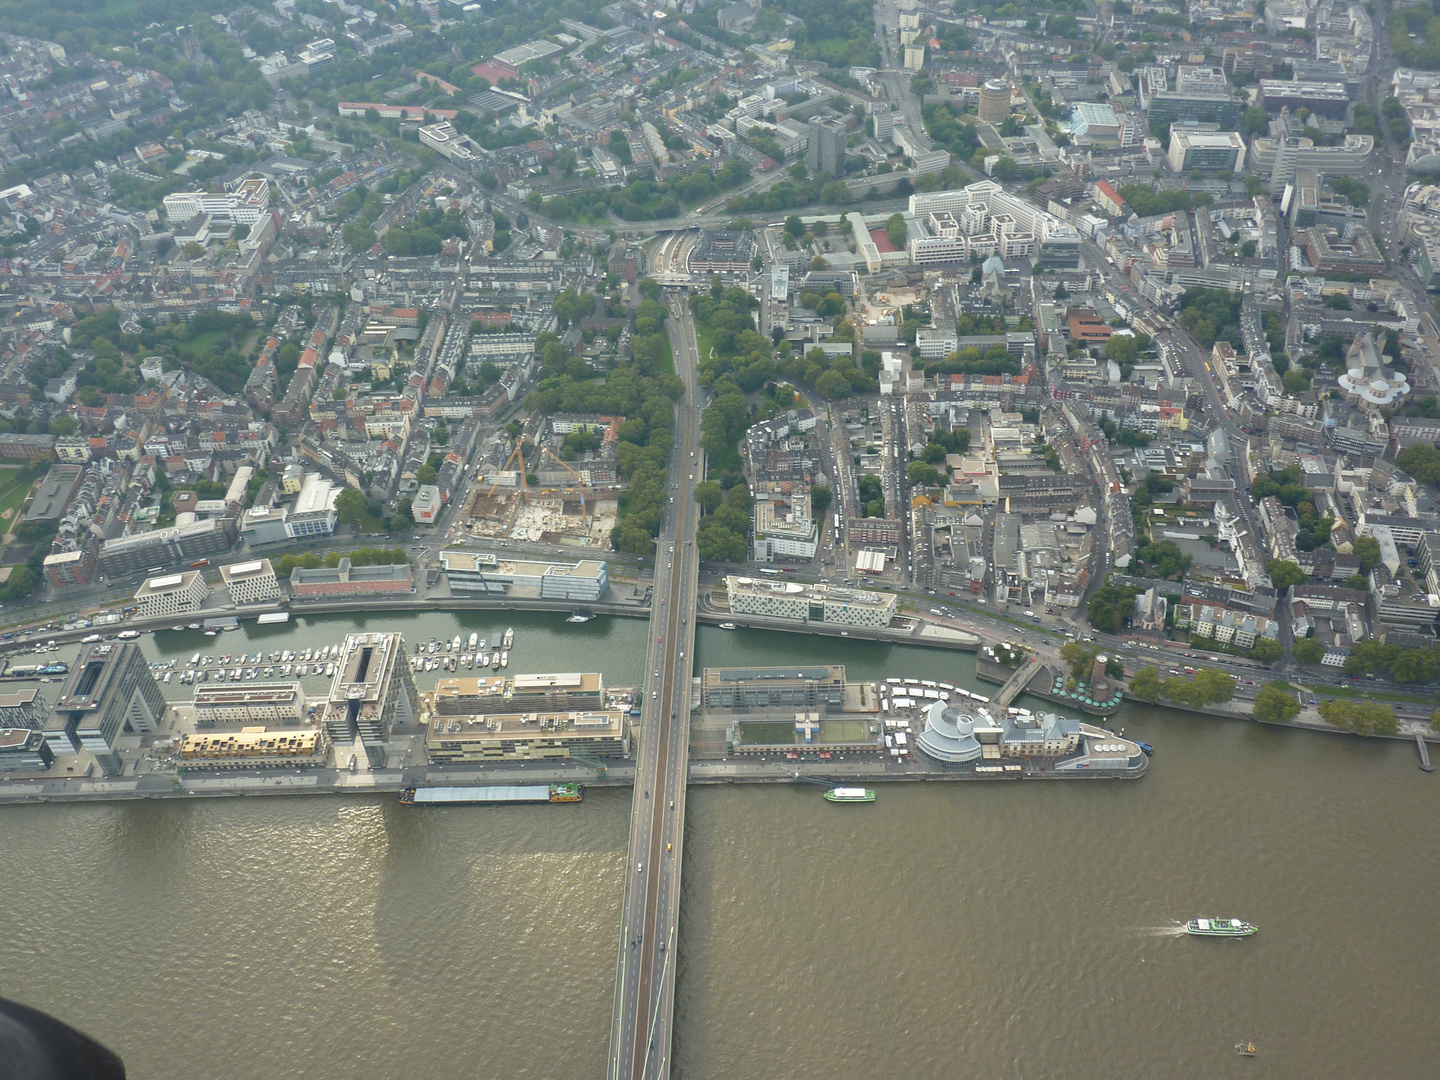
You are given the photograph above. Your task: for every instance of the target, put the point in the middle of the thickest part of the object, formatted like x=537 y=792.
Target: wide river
x=947 y=930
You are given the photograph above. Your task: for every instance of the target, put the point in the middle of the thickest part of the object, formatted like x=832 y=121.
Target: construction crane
x=578 y=478
x=514 y=454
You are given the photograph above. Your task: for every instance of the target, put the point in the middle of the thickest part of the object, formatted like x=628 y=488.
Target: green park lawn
x=202 y=342
x=12 y=498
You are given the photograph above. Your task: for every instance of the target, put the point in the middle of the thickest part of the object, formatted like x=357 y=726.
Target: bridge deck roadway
x=1016 y=683
x=645 y=970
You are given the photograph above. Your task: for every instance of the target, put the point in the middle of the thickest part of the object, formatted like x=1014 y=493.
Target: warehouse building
x=347 y=580
x=557 y=692
x=819 y=688
x=528 y=736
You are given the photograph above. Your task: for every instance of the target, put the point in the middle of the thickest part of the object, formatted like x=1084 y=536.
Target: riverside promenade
x=393 y=781
x=905 y=631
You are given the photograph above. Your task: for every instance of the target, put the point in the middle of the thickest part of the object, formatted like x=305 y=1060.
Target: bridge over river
x=640 y=1026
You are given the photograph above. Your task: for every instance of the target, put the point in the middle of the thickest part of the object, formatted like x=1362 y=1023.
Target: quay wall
x=1308 y=720
x=390 y=782
x=332 y=606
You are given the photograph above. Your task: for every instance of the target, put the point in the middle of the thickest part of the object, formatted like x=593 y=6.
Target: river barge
x=470 y=796
x=33 y=671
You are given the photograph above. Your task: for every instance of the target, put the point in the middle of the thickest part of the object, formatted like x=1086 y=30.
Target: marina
x=209 y=665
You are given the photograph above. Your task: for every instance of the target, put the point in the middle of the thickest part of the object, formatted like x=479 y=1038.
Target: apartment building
x=251 y=582
x=254 y=703
x=253 y=748
x=172 y=594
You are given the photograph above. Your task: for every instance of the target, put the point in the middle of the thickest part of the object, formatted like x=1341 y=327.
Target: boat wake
x=1177 y=930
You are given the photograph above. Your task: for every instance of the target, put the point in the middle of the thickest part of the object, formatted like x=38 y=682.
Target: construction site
x=535 y=497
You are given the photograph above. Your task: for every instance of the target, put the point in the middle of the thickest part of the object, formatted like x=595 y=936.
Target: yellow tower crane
x=578 y=478
x=514 y=455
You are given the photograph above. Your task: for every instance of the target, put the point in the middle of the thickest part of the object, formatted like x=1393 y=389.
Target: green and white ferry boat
x=850 y=794
x=1219 y=928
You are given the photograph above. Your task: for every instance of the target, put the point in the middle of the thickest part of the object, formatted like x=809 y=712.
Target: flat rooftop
x=740 y=674
x=240 y=571
x=491 y=727
x=162 y=536
x=567 y=680
x=497 y=690
x=764 y=732
x=169 y=583
x=16 y=738
x=255 y=694
x=805 y=590
x=364 y=669
x=252 y=742
x=334 y=575
x=489 y=563
x=91 y=679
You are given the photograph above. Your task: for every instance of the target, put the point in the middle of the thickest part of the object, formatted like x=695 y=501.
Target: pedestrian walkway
x=1016 y=684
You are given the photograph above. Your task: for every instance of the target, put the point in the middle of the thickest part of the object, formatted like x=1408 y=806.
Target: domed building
x=949 y=736
x=1424 y=165
x=1368 y=382
x=955 y=737
x=1020 y=742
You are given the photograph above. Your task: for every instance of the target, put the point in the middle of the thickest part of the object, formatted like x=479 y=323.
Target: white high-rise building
x=245 y=204
x=989 y=220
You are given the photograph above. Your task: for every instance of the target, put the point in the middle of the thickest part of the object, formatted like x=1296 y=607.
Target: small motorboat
x=1245 y=1049
x=1148 y=750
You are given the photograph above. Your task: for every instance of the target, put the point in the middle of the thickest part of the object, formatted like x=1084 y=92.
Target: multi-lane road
x=645 y=969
